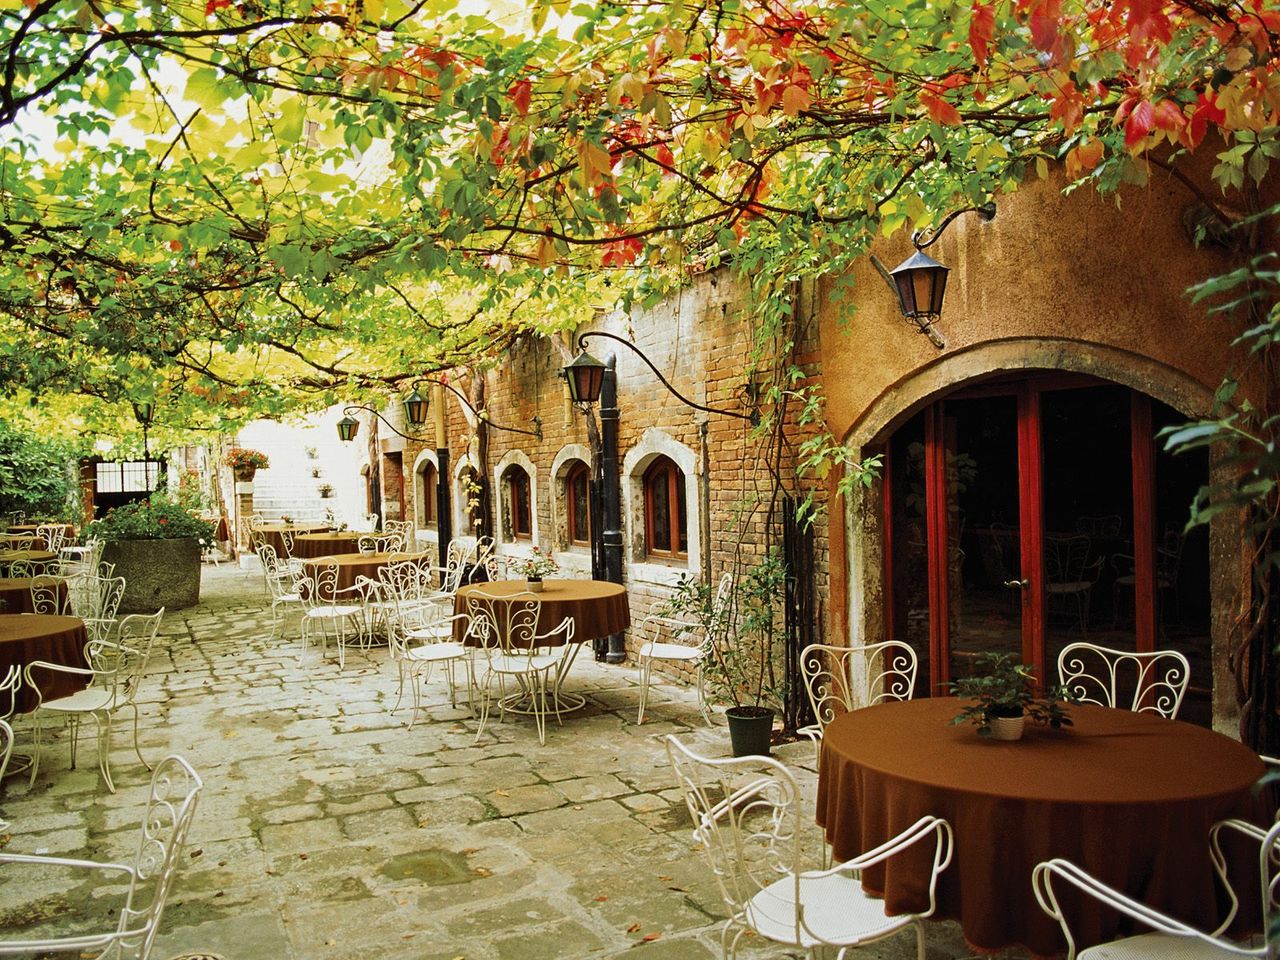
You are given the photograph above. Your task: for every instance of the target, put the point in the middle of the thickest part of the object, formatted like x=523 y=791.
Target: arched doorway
x=1029 y=510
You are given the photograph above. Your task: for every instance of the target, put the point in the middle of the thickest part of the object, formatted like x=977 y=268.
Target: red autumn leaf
x=1169 y=116
x=941 y=110
x=1045 y=15
x=520 y=93
x=1206 y=112
x=211 y=6
x=1138 y=125
x=982 y=26
x=665 y=156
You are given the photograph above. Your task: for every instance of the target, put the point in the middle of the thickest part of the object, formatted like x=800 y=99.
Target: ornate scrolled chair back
x=507 y=623
x=840 y=679
x=51 y=595
x=53 y=534
x=1142 y=682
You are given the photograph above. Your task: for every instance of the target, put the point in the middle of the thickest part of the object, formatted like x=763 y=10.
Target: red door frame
x=1031 y=521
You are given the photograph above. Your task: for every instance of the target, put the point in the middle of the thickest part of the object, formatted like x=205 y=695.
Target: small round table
x=16 y=594
x=1129 y=797
x=598 y=608
x=353 y=565
x=25 y=637
x=271 y=533
x=308 y=546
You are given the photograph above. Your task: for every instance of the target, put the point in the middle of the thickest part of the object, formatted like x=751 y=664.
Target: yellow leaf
x=794 y=99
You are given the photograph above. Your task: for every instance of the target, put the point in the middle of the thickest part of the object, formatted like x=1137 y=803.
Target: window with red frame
x=519 y=510
x=577 y=499
x=665 y=513
x=427 y=494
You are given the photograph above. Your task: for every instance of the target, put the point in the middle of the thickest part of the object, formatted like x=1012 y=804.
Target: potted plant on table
x=244 y=462
x=536 y=566
x=1004 y=697
x=155 y=545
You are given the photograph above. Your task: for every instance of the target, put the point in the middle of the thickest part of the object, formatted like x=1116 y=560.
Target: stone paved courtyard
x=328 y=830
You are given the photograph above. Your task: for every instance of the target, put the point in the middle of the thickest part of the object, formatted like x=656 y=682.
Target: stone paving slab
x=331 y=830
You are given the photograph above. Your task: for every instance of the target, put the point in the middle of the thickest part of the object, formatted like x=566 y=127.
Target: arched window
x=577 y=504
x=517 y=508
x=427 y=480
x=665 y=511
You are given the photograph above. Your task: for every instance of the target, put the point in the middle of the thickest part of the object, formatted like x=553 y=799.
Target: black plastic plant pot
x=750 y=729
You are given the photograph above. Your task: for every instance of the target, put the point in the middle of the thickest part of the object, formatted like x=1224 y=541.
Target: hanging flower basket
x=244 y=463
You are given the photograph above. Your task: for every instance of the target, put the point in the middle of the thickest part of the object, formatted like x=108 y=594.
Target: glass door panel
x=908 y=576
x=1088 y=519
x=983 y=537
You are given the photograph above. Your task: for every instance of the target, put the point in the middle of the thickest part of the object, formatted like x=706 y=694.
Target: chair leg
x=137 y=749
x=484 y=707
x=702 y=697
x=35 y=747
x=645 y=667
x=104 y=749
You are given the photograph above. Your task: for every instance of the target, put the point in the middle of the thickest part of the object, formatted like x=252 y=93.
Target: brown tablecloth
x=598 y=607
x=9 y=541
x=271 y=533
x=311 y=545
x=353 y=565
x=1129 y=797
x=27 y=636
x=16 y=594
x=41 y=558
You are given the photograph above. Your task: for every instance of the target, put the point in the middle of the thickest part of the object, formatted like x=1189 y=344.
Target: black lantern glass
x=585 y=375
x=143 y=411
x=921 y=282
x=415 y=408
x=348 y=427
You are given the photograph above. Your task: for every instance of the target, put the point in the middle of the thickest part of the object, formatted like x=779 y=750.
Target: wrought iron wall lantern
x=416 y=410
x=920 y=282
x=585 y=376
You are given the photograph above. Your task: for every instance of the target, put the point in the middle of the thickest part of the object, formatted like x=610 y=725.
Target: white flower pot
x=1007 y=728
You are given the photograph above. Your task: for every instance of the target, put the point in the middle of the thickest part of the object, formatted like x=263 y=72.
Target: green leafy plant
x=1004 y=687
x=744 y=666
x=243 y=458
x=36 y=475
x=157 y=518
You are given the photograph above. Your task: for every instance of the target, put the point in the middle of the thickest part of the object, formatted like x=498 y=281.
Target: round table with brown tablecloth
x=19 y=541
x=29 y=530
x=15 y=593
x=598 y=608
x=310 y=545
x=42 y=559
x=1129 y=797
x=271 y=532
x=25 y=637
x=353 y=565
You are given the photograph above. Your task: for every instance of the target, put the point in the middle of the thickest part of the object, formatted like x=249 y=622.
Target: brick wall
x=702 y=344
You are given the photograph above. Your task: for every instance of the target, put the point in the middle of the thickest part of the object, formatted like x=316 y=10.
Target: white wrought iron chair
x=53 y=534
x=420 y=635
x=50 y=595
x=24 y=569
x=282 y=584
x=378 y=543
x=329 y=606
x=6 y=748
x=1169 y=937
x=1142 y=682
x=692 y=642
x=175 y=789
x=506 y=628
x=748 y=819
x=82 y=559
x=1070 y=575
x=115 y=675
x=840 y=679
x=101 y=597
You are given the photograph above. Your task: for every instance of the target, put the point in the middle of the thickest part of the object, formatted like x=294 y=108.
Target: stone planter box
x=157 y=573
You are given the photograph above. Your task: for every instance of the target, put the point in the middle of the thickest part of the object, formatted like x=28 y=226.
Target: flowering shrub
x=537 y=565
x=156 y=518
x=242 y=458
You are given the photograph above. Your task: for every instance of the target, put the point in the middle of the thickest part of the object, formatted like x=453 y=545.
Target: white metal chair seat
x=835 y=911
x=436 y=652
x=1156 y=946
x=670 y=651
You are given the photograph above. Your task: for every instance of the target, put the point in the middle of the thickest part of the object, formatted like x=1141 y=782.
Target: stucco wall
x=1050 y=271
